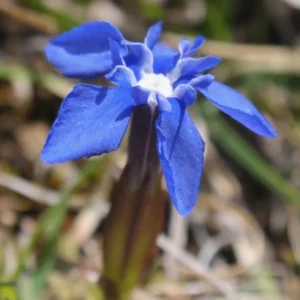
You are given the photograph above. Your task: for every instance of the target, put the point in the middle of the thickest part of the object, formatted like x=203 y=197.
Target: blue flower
x=92 y=119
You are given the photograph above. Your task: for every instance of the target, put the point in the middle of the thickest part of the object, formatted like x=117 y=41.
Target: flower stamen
x=157 y=83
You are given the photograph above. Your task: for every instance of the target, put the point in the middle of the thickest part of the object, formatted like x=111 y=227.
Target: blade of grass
x=52 y=222
x=48 y=229
x=246 y=156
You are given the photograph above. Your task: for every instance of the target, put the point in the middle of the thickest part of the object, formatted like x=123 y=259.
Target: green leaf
x=8 y=291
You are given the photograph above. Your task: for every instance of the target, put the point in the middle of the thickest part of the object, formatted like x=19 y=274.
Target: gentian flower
x=93 y=119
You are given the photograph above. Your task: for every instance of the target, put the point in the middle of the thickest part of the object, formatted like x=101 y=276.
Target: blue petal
x=185 y=93
x=122 y=77
x=183 y=46
x=202 y=81
x=153 y=35
x=238 y=107
x=180 y=149
x=116 y=55
x=156 y=99
x=139 y=58
x=140 y=95
x=143 y=96
x=183 y=80
x=84 y=51
x=193 y=66
x=163 y=103
x=165 y=58
x=186 y=48
x=92 y=120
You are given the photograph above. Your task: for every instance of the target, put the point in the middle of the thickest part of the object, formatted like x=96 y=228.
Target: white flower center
x=156 y=82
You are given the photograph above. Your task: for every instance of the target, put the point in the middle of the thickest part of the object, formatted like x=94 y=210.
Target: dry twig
x=250 y=58
x=178 y=235
x=34 y=192
x=191 y=262
x=28 y=17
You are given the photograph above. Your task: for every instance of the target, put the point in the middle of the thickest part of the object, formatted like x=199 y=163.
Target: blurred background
x=243 y=237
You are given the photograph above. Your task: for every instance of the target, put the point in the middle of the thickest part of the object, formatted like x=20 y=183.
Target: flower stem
x=136 y=215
